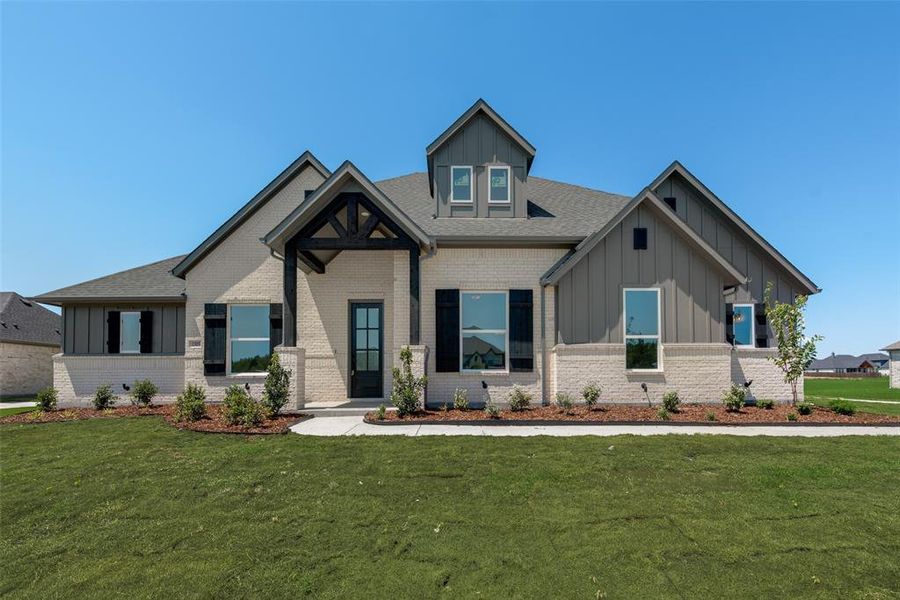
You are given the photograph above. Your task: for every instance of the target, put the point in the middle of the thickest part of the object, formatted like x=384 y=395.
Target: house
x=29 y=337
x=493 y=277
x=846 y=363
x=893 y=351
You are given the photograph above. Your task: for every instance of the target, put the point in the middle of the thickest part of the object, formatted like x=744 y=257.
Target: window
x=460 y=184
x=499 y=181
x=130 y=333
x=671 y=201
x=483 y=331
x=642 y=329
x=640 y=238
x=744 y=325
x=249 y=338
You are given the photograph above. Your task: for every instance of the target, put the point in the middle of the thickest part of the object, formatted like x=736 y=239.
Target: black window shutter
x=446 y=331
x=762 y=325
x=113 y=326
x=275 y=327
x=729 y=323
x=521 y=330
x=146 y=331
x=640 y=238
x=214 y=339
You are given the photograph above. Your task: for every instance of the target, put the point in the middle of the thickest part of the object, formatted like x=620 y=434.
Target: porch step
x=352 y=408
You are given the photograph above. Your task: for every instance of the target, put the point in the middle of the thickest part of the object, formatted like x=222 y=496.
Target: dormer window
x=499 y=184
x=460 y=184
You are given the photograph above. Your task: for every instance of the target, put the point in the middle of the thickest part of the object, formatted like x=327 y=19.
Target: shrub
x=460 y=399
x=491 y=409
x=804 y=408
x=591 y=394
x=792 y=417
x=380 y=412
x=671 y=401
x=842 y=407
x=565 y=402
x=47 y=398
x=190 y=405
x=710 y=416
x=104 y=397
x=240 y=408
x=142 y=392
x=276 y=387
x=662 y=414
x=766 y=403
x=519 y=399
x=407 y=387
x=734 y=398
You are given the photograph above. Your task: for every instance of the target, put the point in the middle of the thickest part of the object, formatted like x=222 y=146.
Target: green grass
x=864 y=388
x=135 y=508
x=14 y=411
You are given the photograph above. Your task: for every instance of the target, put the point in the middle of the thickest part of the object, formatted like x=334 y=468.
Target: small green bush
x=241 y=409
x=518 y=399
x=792 y=417
x=734 y=398
x=407 y=387
x=47 y=398
x=591 y=394
x=662 y=414
x=710 y=416
x=380 y=412
x=565 y=402
x=277 y=386
x=104 y=397
x=491 y=409
x=190 y=405
x=766 y=403
x=460 y=399
x=670 y=401
x=142 y=392
x=842 y=407
x=804 y=408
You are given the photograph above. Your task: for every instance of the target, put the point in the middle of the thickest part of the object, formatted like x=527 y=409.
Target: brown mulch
x=212 y=423
x=687 y=413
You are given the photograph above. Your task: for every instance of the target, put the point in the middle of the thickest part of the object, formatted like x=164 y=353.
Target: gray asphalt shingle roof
x=844 y=361
x=153 y=281
x=27 y=322
x=894 y=346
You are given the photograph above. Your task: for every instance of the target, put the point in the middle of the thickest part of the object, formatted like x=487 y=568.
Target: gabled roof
x=563 y=266
x=346 y=173
x=246 y=211
x=677 y=167
x=25 y=322
x=482 y=107
x=149 y=283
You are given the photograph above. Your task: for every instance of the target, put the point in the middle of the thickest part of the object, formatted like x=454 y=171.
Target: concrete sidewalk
x=336 y=426
x=17 y=404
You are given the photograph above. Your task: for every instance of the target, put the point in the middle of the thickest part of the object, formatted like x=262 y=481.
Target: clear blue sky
x=130 y=131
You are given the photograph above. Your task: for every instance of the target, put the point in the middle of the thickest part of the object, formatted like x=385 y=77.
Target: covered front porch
x=351 y=293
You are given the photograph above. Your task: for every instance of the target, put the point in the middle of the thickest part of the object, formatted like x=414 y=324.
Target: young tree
x=407 y=387
x=795 y=350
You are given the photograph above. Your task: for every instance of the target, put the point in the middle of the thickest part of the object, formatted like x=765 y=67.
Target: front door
x=366 y=341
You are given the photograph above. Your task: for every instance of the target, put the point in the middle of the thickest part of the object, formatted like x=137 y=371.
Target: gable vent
x=671 y=202
x=640 y=238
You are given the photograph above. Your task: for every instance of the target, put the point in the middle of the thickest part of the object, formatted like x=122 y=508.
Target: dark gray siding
x=590 y=296
x=480 y=143
x=731 y=243
x=85 y=329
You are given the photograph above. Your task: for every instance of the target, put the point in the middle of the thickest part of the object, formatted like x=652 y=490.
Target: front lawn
x=864 y=388
x=134 y=508
x=5 y=412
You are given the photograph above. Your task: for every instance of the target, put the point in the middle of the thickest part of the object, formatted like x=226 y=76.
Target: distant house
x=894 y=351
x=847 y=363
x=29 y=337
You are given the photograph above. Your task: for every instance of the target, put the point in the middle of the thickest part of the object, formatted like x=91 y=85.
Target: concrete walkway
x=17 y=404
x=336 y=426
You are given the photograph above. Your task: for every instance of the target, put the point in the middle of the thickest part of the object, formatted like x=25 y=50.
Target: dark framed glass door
x=366 y=349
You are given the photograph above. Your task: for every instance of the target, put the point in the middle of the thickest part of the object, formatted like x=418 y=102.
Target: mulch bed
x=609 y=414
x=212 y=423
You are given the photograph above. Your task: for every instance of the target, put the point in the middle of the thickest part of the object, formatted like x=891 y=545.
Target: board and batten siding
x=733 y=244
x=85 y=329
x=478 y=144
x=590 y=296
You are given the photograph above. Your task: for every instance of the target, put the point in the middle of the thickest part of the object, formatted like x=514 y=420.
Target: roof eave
x=61 y=300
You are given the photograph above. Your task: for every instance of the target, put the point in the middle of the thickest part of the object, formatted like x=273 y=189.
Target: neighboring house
x=29 y=337
x=847 y=363
x=493 y=277
x=893 y=351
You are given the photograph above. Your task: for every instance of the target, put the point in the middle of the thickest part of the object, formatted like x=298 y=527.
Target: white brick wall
x=768 y=381
x=25 y=368
x=77 y=377
x=895 y=368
